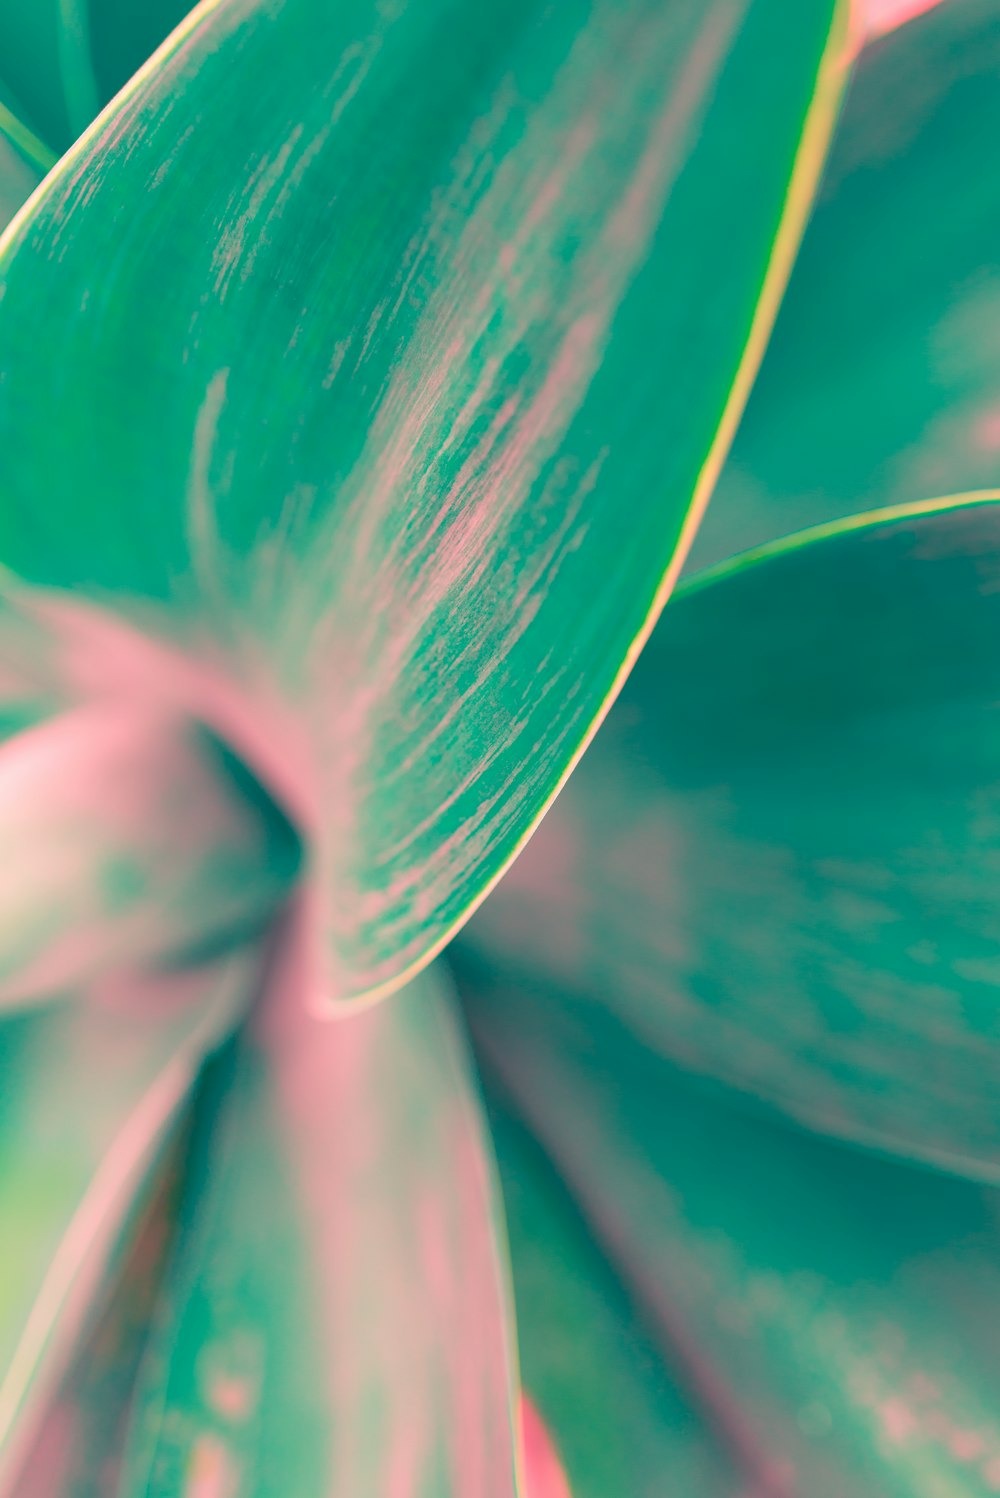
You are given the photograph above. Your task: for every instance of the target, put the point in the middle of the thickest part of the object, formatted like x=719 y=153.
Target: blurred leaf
x=844 y=1308
x=362 y=387
x=544 y=1476
x=124 y=33
x=88 y=1092
x=881 y=384
x=779 y=860
x=45 y=60
x=79 y=1442
x=335 y=1321
x=128 y=840
x=621 y=1423
x=18 y=178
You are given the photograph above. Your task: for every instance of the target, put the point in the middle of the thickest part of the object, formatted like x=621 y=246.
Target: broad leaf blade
x=778 y=862
x=89 y=1093
x=881 y=384
x=335 y=1322
x=844 y=1307
x=496 y=304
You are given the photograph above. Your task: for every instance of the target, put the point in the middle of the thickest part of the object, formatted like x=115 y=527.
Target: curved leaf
x=78 y=1444
x=845 y=1306
x=779 y=860
x=335 y=1322
x=881 y=384
x=496 y=304
x=88 y=1093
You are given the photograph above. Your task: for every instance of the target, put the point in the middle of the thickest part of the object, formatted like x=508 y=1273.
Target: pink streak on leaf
x=880 y=16
x=388 y=1158
x=544 y=1474
x=120 y=844
x=137 y=1043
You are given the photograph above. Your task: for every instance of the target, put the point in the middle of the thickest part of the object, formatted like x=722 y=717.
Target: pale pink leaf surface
x=88 y=1091
x=124 y=842
x=336 y=1321
x=879 y=16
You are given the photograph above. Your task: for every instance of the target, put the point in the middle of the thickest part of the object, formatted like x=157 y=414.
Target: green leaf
x=45 y=52
x=18 y=178
x=78 y=1445
x=124 y=33
x=881 y=384
x=88 y=1092
x=837 y=1311
x=373 y=327
x=335 y=1320
x=778 y=861
x=621 y=1422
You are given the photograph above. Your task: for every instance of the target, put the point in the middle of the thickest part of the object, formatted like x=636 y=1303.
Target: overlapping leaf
x=78 y=1445
x=622 y=1423
x=840 y=1308
x=779 y=860
x=368 y=337
x=335 y=1322
x=881 y=384
x=88 y=1093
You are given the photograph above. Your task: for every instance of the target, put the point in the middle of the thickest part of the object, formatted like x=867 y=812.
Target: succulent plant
x=498 y=779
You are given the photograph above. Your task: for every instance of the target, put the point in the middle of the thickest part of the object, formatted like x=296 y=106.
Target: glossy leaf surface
x=88 y=1093
x=842 y=1308
x=780 y=860
x=335 y=1323
x=373 y=424
x=881 y=384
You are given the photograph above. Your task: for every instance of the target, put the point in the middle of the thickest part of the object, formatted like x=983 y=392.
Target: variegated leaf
x=380 y=331
x=780 y=861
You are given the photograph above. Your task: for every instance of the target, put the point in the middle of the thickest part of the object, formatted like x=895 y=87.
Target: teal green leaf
x=446 y=306
x=18 y=178
x=881 y=384
x=845 y=1307
x=45 y=59
x=621 y=1421
x=88 y=1094
x=335 y=1320
x=124 y=33
x=779 y=860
